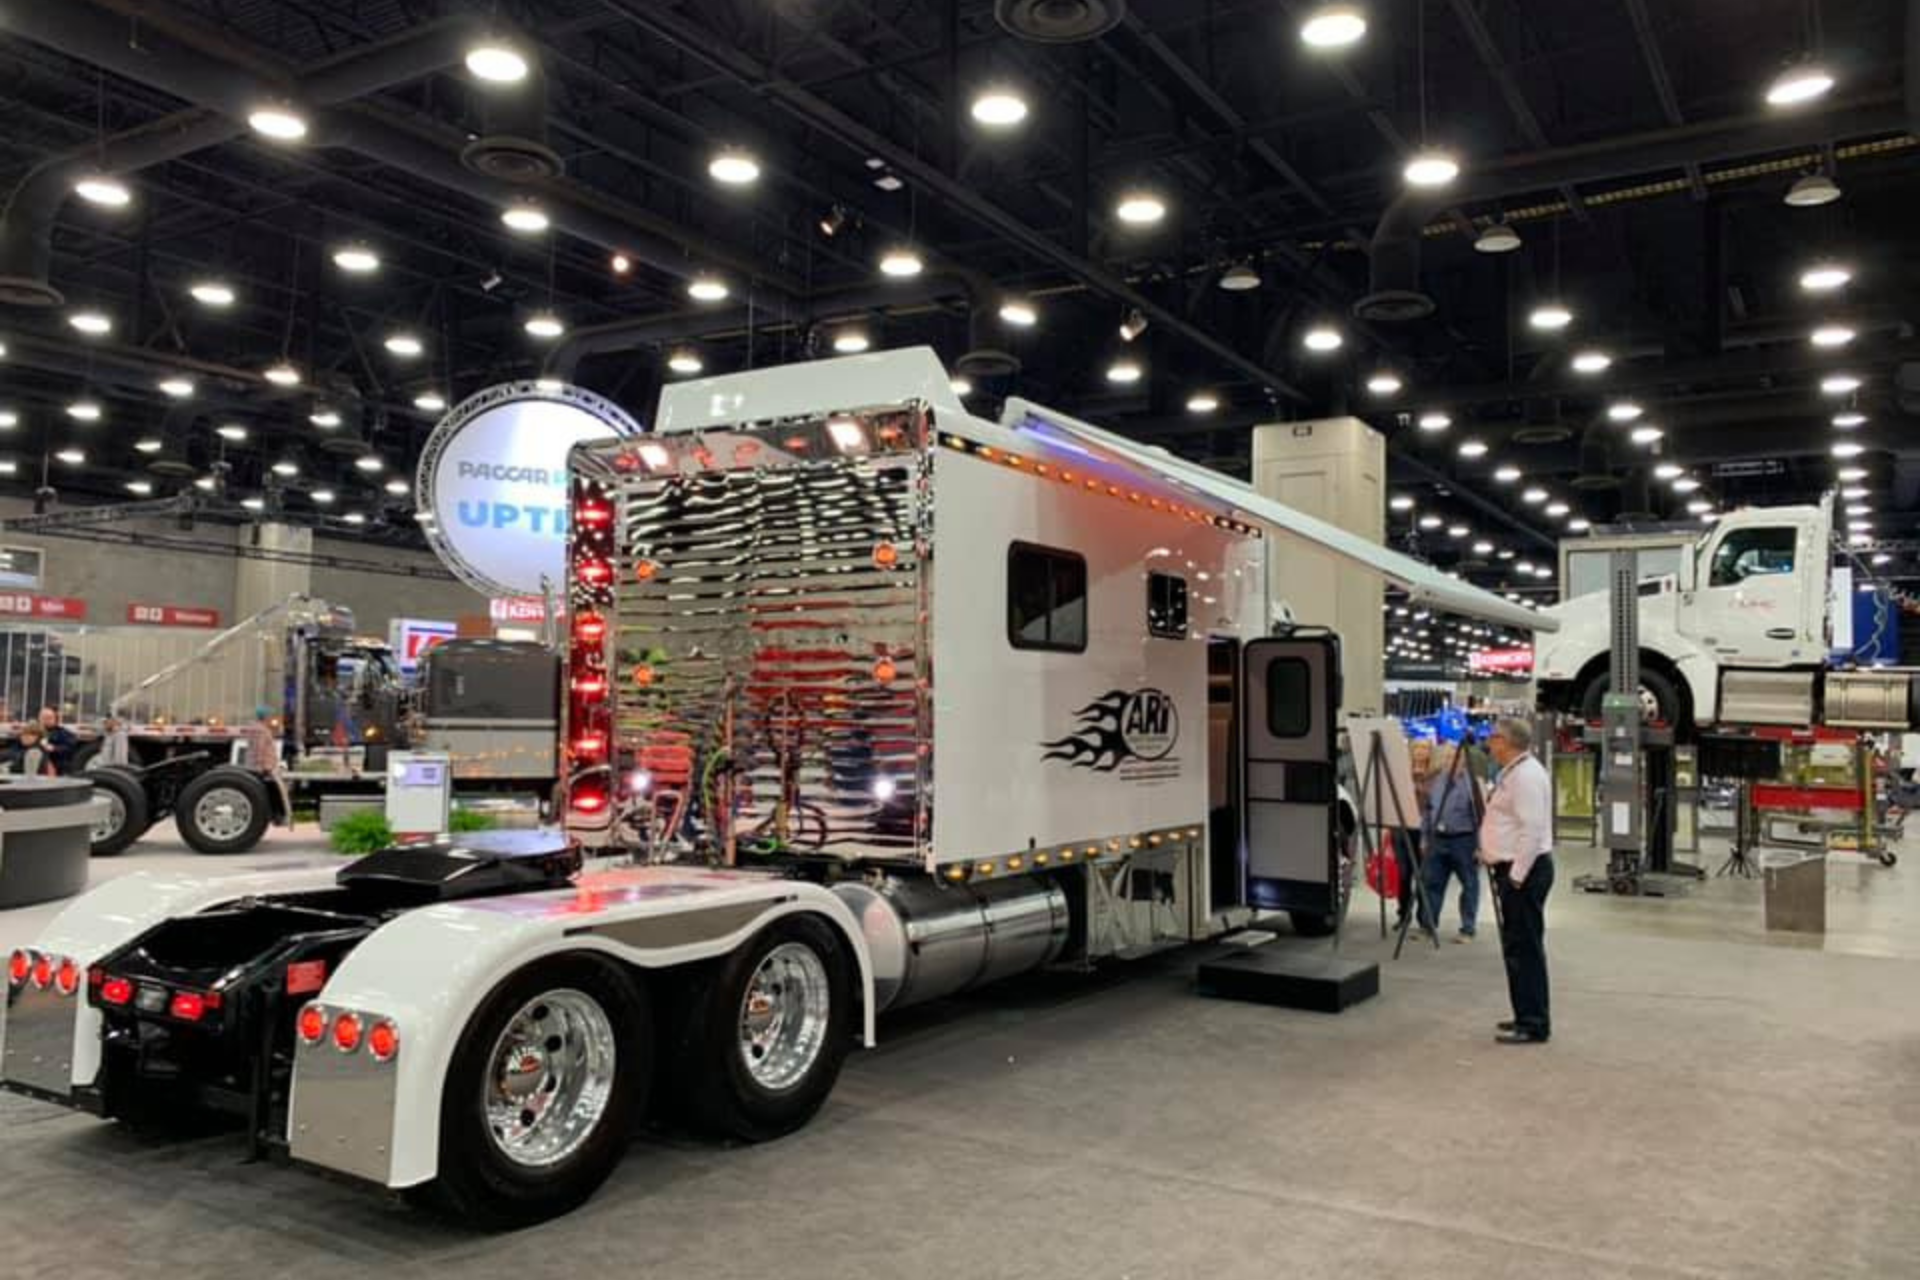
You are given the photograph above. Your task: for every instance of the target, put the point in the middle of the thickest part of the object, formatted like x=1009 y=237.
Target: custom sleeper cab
x=868 y=701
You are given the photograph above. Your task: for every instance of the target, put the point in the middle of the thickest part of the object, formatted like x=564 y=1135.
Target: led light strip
x=1064 y=475
x=1066 y=854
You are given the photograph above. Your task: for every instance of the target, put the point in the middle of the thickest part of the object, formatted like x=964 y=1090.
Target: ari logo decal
x=1119 y=726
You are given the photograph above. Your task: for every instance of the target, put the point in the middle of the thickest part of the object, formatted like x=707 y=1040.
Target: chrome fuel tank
x=929 y=939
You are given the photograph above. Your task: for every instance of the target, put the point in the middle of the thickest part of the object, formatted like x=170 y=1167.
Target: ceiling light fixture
x=325 y=419
x=355 y=517
x=103 y=189
x=1334 y=26
x=961 y=386
x=1799 y=84
x=1839 y=384
x=1851 y=475
x=1624 y=411
x=1550 y=317
x=1323 y=339
x=356 y=259
x=1592 y=362
x=323 y=497
x=72 y=457
x=1813 y=191
x=282 y=375
x=706 y=288
x=1124 y=372
x=1647 y=434
x=1534 y=497
x=1431 y=168
x=1668 y=470
x=684 y=360
x=1832 y=336
x=1384 y=383
x=232 y=432
x=212 y=293
x=1473 y=448
x=999 y=106
x=369 y=463
x=1240 y=278
x=734 y=167
x=497 y=62
x=1132 y=325
x=397 y=487
x=1500 y=237
x=149 y=444
x=404 y=344
x=901 y=263
x=277 y=121
x=177 y=387
x=286 y=467
x=430 y=402
x=85 y=410
x=1558 y=509
x=1433 y=420
x=544 y=325
x=1848 y=449
x=8 y=419
x=1849 y=420
x=1579 y=524
x=1202 y=402
x=1506 y=474
x=1140 y=208
x=1825 y=277
x=851 y=342
x=1019 y=313
x=620 y=263
x=1401 y=502
x=525 y=218
x=95 y=324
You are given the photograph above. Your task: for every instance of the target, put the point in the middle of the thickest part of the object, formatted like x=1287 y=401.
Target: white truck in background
x=1740 y=632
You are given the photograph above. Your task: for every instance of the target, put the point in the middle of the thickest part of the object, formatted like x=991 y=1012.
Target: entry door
x=1290 y=693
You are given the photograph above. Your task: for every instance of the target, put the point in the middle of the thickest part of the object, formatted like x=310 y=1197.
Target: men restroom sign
x=493 y=476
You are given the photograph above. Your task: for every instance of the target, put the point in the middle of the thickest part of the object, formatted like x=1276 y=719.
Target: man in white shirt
x=1516 y=844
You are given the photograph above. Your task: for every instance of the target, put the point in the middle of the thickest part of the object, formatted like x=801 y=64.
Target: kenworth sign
x=494 y=476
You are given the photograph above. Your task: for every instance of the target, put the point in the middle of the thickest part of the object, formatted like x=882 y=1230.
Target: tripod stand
x=1459 y=771
x=1376 y=780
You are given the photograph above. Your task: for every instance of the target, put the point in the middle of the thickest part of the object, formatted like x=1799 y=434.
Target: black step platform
x=1292 y=978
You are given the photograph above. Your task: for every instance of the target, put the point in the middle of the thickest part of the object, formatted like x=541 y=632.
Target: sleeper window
x=1046 y=599
x=1167 y=606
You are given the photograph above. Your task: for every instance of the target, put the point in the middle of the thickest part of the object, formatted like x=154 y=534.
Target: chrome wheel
x=224 y=813
x=784 y=1016
x=110 y=823
x=549 y=1078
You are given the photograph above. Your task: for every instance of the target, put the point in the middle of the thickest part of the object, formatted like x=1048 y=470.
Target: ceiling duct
x=1059 y=21
x=1596 y=461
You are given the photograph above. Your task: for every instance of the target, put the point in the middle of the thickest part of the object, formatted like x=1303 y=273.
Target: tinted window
x=1289 y=697
x=1752 y=553
x=1046 y=599
x=1167 y=606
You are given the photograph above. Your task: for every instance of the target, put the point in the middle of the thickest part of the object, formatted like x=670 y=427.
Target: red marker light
x=313 y=1024
x=595 y=573
x=590 y=628
x=18 y=967
x=644 y=675
x=593 y=513
x=66 y=979
x=884 y=671
x=346 y=1032
x=646 y=570
x=590 y=746
x=588 y=800
x=42 y=971
x=188 y=1006
x=117 y=991
x=590 y=686
x=384 y=1040
x=886 y=555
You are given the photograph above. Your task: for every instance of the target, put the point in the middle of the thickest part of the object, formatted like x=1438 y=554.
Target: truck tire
x=127 y=815
x=1657 y=694
x=767 y=1031
x=223 y=810
x=544 y=1088
x=82 y=759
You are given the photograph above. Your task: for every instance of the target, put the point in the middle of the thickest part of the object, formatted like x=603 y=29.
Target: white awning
x=1424 y=584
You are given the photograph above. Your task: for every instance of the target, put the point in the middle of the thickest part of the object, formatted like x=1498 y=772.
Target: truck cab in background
x=1745 y=613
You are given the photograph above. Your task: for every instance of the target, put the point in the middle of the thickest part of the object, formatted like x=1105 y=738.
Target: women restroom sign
x=494 y=477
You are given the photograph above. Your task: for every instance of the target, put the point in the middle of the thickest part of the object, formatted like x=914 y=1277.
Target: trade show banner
x=493 y=475
x=411 y=637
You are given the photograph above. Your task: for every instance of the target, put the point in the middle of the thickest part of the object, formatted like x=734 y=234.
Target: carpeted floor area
x=1715 y=1102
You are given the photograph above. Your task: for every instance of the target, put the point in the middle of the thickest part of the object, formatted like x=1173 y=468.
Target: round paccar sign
x=494 y=476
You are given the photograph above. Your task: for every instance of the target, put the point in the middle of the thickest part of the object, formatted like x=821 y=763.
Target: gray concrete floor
x=1717 y=1101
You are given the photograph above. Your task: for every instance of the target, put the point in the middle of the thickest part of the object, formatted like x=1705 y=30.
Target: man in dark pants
x=1516 y=843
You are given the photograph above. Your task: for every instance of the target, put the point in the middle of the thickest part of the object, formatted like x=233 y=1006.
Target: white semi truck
x=1736 y=629
x=869 y=701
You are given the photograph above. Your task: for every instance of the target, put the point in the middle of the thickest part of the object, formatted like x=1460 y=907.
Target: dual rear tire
x=555 y=1070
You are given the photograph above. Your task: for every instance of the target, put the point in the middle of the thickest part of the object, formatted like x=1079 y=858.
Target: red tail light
x=589 y=746
x=18 y=967
x=67 y=977
x=593 y=513
x=346 y=1032
x=42 y=971
x=313 y=1024
x=590 y=685
x=384 y=1040
x=117 y=991
x=188 y=1006
x=588 y=798
x=595 y=573
x=590 y=628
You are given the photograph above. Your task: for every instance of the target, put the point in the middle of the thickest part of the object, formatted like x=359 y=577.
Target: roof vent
x=1394 y=306
x=985 y=362
x=511 y=159
x=1059 y=21
x=24 y=291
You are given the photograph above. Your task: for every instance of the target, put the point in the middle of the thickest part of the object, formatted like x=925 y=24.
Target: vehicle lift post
x=1636 y=786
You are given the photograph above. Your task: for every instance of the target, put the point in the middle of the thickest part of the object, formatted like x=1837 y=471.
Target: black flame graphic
x=1098 y=743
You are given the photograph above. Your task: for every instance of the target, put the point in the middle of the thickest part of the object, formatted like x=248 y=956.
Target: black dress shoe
x=1518 y=1036
x=1508 y=1025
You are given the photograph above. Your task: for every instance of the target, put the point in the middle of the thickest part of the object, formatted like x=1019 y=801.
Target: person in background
x=60 y=743
x=1407 y=846
x=1452 y=819
x=1516 y=844
x=30 y=756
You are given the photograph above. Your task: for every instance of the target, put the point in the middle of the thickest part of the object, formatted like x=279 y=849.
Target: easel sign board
x=1378 y=808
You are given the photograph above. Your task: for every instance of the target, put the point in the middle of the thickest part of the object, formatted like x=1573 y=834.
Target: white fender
x=429 y=970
